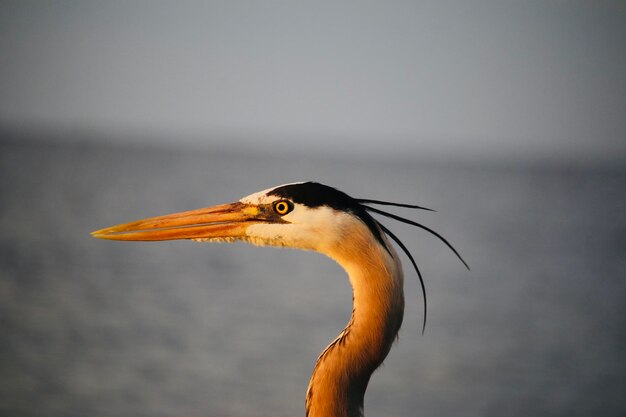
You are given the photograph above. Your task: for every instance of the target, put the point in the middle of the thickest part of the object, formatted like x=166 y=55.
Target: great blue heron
x=313 y=216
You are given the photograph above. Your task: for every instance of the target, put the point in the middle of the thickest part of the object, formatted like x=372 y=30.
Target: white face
x=304 y=227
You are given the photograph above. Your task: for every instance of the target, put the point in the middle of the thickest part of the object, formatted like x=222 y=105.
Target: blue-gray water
x=99 y=328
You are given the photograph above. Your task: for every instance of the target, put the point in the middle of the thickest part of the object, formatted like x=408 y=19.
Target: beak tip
x=99 y=234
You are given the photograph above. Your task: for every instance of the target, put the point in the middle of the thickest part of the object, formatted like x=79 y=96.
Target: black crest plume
x=364 y=202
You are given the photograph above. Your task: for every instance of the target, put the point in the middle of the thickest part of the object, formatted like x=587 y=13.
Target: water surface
x=98 y=328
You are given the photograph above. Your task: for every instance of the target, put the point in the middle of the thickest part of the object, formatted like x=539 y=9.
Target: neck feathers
x=343 y=370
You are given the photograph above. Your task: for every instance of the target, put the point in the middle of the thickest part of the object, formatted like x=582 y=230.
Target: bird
x=313 y=216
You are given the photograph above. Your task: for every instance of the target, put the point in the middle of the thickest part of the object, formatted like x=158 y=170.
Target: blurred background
x=506 y=117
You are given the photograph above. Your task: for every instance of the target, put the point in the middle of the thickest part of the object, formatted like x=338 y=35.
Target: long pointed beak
x=225 y=221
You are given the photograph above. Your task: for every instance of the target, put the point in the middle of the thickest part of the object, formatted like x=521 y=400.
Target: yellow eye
x=283 y=207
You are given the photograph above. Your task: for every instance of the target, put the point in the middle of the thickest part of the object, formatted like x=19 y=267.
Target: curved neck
x=343 y=369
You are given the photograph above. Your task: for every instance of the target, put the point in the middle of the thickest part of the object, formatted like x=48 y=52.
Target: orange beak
x=225 y=221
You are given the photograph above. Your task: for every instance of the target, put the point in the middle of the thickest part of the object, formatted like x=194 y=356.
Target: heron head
x=304 y=215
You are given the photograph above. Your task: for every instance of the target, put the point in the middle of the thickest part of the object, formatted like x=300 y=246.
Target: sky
x=448 y=78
